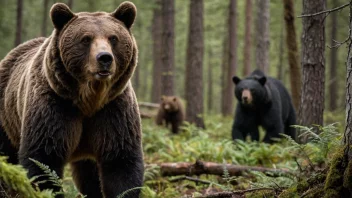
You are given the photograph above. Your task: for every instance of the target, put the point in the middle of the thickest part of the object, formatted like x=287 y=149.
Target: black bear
x=262 y=101
x=68 y=99
x=171 y=111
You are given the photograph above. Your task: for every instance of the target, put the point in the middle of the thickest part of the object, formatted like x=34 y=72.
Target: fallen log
x=211 y=168
x=147 y=115
x=148 y=105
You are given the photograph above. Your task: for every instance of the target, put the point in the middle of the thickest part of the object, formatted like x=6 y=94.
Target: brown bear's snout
x=104 y=59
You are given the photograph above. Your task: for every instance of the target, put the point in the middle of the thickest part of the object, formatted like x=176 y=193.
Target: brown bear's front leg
x=115 y=132
x=122 y=173
x=50 y=131
x=86 y=178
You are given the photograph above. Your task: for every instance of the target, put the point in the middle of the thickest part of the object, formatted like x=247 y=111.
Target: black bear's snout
x=245 y=98
x=104 y=59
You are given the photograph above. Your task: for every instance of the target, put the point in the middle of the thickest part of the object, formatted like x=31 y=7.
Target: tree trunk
x=292 y=53
x=45 y=17
x=168 y=52
x=224 y=66
x=280 y=71
x=210 y=81
x=263 y=40
x=313 y=63
x=232 y=60
x=247 y=40
x=157 y=50
x=333 y=82
x=18 y=38
x=70 y=4
x=194 y=65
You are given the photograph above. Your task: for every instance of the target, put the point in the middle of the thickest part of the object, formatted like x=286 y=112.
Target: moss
x=330 y=193
x=289 y=193
x=334 y=179
x=260 y=194
x=317 y=191
x=347 y=176
x=302 y=186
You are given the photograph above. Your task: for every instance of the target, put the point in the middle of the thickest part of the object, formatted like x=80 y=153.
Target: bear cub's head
x=251 y=90
x=94 y=46
x=170 y=104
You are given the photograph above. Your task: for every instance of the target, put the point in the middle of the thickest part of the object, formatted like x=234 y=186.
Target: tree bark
x=280 y=71
x=18 y=38
x=168 y=52
x=333 y=82
x=263 y=40
x=210 y=81
x=45 y=17
x=248 y=39
x=211 y=168
x=224 y=66
x=313 y=63
x=232 y=59
x=194 y=65
x=157 y=50
x=292 y=53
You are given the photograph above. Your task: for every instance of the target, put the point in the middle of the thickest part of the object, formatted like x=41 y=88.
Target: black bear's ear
x=236 y=80
x=60 y=15
x=262 y=80
x=126 y=13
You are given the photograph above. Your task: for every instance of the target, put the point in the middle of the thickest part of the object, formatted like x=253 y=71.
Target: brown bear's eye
x=86 y=40
x=113 y=40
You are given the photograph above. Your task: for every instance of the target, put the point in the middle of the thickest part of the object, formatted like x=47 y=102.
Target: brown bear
x=171 y=111
x=68 y=99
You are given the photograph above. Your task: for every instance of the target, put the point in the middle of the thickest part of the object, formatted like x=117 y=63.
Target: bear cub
x=171 y=111
x=262 y=101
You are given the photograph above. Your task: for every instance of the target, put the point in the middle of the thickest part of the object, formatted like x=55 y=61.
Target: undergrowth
x=212 y=144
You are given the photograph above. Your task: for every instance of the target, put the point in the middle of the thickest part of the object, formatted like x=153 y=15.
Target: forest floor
x=299 y=169
x=214 y=144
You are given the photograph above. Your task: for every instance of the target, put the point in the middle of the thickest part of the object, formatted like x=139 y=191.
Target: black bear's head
x=250 y=91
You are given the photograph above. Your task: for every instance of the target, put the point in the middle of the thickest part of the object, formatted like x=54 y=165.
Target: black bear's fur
x=262 y=101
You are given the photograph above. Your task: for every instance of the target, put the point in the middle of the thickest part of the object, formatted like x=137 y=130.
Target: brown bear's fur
x=68 y=99
x=171 y=111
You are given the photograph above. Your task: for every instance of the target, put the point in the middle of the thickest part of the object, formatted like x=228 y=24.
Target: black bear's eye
x=86 y=40
x=113 y=40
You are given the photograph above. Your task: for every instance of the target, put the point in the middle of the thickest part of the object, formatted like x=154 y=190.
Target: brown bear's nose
x=104 y=59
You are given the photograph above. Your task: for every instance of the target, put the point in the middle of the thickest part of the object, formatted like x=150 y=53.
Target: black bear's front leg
x=244 y=124
x=50 y=130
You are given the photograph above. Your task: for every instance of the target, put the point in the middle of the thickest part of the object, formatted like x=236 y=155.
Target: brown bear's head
x=95 y=46
x=91 y=54
x=170 y=103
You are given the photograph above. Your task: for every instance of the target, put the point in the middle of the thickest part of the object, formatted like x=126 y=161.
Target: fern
x=128 y=191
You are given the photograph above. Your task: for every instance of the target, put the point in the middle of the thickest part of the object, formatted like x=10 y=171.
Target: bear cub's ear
x=262 y=80
x=236 y=80
x=126 y=13
x=60 y=15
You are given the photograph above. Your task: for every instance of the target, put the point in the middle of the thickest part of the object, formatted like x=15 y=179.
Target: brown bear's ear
x=262 y=80
x=236 y=80
x=126 y=13
x=60 y=15
x=174 y=99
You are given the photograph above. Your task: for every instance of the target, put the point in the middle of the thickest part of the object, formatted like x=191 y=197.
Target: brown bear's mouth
x=102 y=74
